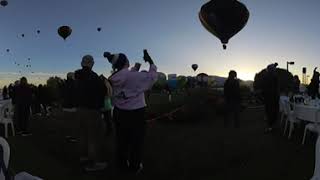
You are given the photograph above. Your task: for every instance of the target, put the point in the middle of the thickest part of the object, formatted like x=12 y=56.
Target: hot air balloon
x=194 y=67
x=38 y=31
x=22 y=35
x=3 y=3
x=8 y=50
x=224 y=18
x=99 y=29
x=64 y=31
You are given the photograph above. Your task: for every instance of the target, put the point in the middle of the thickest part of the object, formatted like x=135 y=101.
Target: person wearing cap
x=232 y=98
x=89 y=101
x=271 y=94
x=129 y=109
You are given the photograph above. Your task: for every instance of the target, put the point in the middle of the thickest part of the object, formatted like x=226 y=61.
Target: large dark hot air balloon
x=64 y=31
x=3 y=3
x=194 y=67
x=99 y=29
x=38 y=31
x=224 y=18
x=8 y=50
x=22 y=35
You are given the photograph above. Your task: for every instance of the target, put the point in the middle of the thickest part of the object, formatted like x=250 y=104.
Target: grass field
x=194 y=145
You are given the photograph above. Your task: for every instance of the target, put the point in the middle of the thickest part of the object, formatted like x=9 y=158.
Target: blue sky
x=277 y=31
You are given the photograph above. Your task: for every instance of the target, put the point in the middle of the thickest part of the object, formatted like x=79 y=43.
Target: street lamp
x=289 y=63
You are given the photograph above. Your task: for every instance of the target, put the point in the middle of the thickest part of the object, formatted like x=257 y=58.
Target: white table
x=307 y=112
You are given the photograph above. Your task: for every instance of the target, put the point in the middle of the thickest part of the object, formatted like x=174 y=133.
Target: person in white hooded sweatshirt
x=129 y=109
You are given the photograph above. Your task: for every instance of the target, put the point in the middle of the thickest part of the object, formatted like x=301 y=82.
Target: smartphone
x=137 y=66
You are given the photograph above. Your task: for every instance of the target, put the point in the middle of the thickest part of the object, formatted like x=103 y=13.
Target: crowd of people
x=99 y=105
x=96 y=102
x=269 y=92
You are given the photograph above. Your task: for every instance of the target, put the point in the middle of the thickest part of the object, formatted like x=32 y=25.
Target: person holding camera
x=129 y=103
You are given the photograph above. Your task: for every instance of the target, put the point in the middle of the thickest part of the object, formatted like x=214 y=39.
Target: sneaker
x=140 y=169
x=96 y=167
x=24 y=134
x=84 y=159
x=268 y=130
x=71 y=139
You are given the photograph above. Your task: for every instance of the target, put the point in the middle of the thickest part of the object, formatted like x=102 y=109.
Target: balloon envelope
x=224 y=18
x=99 y=29
x=38 y=31
x=194 y=67
x=3 y=3
x=64 y=31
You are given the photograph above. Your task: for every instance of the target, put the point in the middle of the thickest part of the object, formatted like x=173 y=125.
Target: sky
x=277 y=31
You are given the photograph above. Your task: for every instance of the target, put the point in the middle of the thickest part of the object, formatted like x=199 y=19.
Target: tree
x=181 y=82
x=53 y=88
x=161 y=83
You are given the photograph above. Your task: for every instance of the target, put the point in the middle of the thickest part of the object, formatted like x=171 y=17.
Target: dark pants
x=23 y=117
x=91 y=135
x=108 y=121
x=130 y=133
x=272 y=112
x=232 y=110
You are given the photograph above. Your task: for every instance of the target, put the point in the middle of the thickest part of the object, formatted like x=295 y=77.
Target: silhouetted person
x=68 y=106
x=5 y=93
x=34 y=106
x=271 y=94
x=90 y=98
x=107 y=105
x=313 y=88
x=296 y=84
x=10 y=90
x=232 y=98
x=43 y=99
x=68 y=92
x=23 y=102
x=129 y=111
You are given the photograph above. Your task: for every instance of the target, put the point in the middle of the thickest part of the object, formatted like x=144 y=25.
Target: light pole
x=289 y=63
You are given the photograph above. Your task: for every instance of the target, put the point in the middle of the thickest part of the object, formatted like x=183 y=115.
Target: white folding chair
x=312 y=127
x=290 y=118
x=316 y=173
x=5 y=155
x=6 y=118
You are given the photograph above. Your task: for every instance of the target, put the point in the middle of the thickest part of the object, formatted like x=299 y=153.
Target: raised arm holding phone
x=129 y=108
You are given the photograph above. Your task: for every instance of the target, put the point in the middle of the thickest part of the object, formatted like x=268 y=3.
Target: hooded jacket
x=129 y=87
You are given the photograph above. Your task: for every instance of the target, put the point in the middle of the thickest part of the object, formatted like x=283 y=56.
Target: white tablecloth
x=307 y=112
